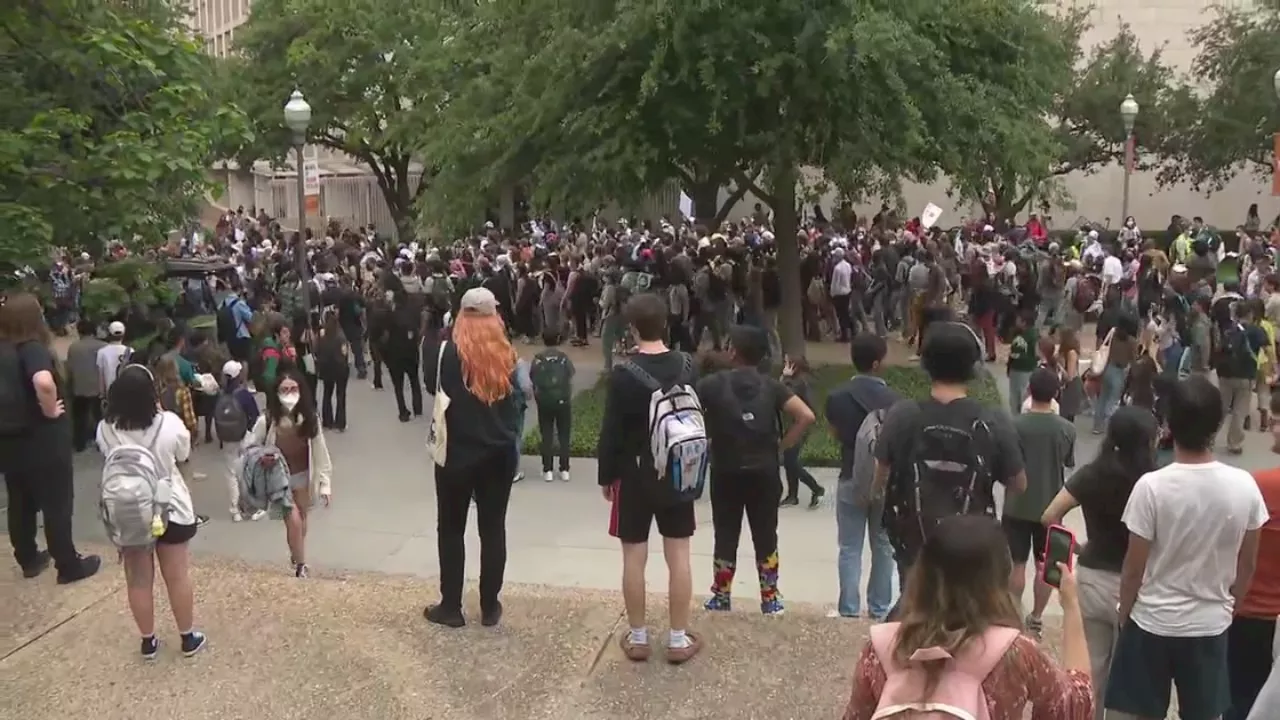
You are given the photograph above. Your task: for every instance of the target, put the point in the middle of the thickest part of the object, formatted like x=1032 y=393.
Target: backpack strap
x=980 y=660
x=642 y=375
x=884 y=637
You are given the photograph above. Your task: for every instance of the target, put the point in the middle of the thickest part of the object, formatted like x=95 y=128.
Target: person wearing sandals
x=290 y=424
x=134 y=417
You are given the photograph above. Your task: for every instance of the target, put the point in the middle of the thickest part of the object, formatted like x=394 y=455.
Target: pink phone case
x=1048 y=544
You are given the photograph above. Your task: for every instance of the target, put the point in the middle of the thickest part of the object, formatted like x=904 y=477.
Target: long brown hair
x=22 y=320
x=956 y=590
x=486 y=355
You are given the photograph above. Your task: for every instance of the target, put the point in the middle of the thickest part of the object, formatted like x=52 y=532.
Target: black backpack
x=1236 y=358
x=15 y=406
x=948 y=473
x=749 y=426
x=227 y=321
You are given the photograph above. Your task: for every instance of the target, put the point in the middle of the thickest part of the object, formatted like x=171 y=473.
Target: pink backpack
x=958 y=695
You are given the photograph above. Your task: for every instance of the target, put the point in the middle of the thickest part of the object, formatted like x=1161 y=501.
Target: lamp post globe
x=1129 y=110
x=297 y=114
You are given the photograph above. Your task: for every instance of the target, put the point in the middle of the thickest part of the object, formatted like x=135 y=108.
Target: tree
x=367 y=68
x=698 y=90
x=106 y=127
x=1015 y=160
x=1232 y=126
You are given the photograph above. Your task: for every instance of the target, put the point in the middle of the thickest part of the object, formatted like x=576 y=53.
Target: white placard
x=930 y=215
x=311 y=176
x=686 y=205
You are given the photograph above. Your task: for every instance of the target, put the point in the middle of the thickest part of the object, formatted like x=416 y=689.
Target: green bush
x=821 y=449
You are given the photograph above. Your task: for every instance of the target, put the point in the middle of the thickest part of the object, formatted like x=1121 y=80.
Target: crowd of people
x=1184 y=341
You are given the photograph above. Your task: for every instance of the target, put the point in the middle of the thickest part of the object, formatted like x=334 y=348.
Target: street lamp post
x=1129 y=113
x=297 y=117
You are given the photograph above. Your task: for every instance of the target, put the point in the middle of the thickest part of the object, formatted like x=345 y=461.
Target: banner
x=929 y=216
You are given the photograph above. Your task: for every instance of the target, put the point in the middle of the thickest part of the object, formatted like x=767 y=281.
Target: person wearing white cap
x=113 y=356
x=234 y=413
x=473 y=442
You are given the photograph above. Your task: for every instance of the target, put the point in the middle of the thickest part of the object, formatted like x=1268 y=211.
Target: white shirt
x=172 y=445
x=841 y=278
x=1195 y=517
x=1112 y=270
x=109 y=358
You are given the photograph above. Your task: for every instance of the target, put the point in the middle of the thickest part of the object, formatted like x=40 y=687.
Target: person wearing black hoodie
x=399 y=339
x=846 y=408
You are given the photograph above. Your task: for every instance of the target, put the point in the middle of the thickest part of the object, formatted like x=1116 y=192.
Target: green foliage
x=102 y=297
x=1016 y=160
x=820 y=450
x=1232 y=126
x=370 y=71
x=106 y=125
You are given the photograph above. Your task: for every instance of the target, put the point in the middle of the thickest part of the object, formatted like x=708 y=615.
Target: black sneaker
x=789 y=501
x=300 y=570
x=816 y=500
x=86 y=566
x=491 y=615
x=192 y=643
x=404 y=417
x=150 y=646
x=440 y=615
x=33 y=569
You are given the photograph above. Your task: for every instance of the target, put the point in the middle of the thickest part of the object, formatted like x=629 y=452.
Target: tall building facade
x=215 y=22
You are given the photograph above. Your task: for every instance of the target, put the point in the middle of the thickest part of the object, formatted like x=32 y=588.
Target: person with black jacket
x=400 y=335
x=333 y=369
x=744 y=424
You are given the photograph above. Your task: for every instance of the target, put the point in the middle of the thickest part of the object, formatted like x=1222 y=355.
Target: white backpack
x=135 y=491
x=677 y=433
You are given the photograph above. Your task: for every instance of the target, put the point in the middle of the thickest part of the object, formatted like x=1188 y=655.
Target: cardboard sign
x=929 y=216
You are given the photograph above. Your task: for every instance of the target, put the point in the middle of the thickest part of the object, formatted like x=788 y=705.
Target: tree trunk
x=783 y=177
x=706 y=203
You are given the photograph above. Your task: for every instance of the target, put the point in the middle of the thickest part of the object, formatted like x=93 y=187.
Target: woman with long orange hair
x=35 y=443
x=472 y=436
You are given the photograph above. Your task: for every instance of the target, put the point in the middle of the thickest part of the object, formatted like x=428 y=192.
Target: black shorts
x=1026 y=538
x=177 y=534
x=1145 y=669
x=637 y=513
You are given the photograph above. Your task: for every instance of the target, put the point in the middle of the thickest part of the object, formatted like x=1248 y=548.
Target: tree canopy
x=1231 y=125
x=370 y=71
x=106 y=125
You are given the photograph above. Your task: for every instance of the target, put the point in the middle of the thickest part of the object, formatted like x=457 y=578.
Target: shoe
x=548 y=476
x=404 y=417
x=377 y=386
x=789 y=501
x=192 y=643
x=37 y=566
x=772 y=607
x=440 y=616
x=300 y=570
x=236 y=516
x=150 y=647
x=564 y=476
x=202 y=520
x=86 y=566
x=633 y=652
x=362 y=374
x=721 y=602
x=816 y=500
x=519 y=476
x=492 y=615
x=258 y=515
x=679 y=656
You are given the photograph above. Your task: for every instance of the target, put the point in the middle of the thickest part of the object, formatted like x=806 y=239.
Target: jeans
x=1108 y=397
x=487 y=479
x=878 y=313
x=554 y=424
x=333 y=411
x=853 y=524
x=355 y=338
x=1018 y=382
x=796 y=473
x=1099 y=593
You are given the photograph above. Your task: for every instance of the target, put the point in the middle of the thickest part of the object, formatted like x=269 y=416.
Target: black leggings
x=487 y=479
x=755 y=494
x=45 y=489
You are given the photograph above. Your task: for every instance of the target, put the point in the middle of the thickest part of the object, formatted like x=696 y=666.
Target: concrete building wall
x=215 y=21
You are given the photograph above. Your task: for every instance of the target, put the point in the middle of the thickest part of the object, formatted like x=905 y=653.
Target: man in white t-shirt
x=112 y=356
x=1193 y=544
x=1112 y=270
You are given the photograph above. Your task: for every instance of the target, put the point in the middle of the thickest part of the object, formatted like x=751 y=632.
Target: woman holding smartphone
x=1101 y=490
x=956 y=600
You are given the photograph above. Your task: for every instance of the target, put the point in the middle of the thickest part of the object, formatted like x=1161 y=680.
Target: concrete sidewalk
x=356 y=646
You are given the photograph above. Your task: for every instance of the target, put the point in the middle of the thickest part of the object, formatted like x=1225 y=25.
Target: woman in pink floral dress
x=958 y=589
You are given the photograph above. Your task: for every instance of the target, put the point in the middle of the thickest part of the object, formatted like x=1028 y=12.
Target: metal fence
x=353 y=200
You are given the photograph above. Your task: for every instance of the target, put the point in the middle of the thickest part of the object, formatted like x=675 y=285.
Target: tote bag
x=437 y=434
x=1102 y=355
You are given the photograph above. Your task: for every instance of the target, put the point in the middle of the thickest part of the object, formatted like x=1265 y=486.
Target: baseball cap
x=116 y=328
x=480 y=301
x=232 y=368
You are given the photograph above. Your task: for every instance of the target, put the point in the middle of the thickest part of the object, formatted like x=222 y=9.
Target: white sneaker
x=564 y=476
x=258 y=515
x=236 y=517
x=548 y=476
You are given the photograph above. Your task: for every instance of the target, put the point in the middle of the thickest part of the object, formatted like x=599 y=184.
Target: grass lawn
x=821 y=450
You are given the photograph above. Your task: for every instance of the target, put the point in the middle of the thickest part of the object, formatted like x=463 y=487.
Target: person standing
x=551 y=375
x=86 y=385
x=795 y=376
x=1182 y=575
x=474 y=369
x=333 y=369
x=35 y=445
x=1022 y=358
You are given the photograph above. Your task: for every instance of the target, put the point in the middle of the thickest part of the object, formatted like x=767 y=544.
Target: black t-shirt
x=623 y=448
x=726 y=396
x=47 y=439
x=1102 y=507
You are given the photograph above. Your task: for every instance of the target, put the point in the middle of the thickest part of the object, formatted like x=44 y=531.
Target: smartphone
x=1059 y=547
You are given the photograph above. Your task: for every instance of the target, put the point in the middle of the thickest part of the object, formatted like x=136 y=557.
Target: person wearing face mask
x=290 y=424
x=1129 y=233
